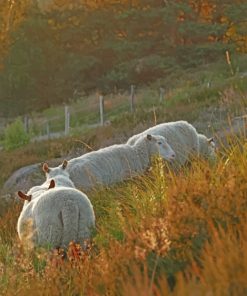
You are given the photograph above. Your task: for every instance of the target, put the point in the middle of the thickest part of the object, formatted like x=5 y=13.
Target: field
x=163 y=233
x=189 y=94
x=160 y=234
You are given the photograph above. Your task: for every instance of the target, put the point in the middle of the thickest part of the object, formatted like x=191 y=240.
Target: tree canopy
x=52 y=49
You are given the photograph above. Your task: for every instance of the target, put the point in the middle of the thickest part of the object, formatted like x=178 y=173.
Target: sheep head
x=28 y=197
x=211 y=140
x=160 y=147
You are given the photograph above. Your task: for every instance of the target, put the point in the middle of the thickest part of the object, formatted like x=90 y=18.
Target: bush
x=15 y=135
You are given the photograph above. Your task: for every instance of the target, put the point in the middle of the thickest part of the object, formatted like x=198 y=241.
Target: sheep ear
x=64 y=164
x=52 y=184
x=24 y=196
x=211 y=140
x=149 y=137
x=46 y=168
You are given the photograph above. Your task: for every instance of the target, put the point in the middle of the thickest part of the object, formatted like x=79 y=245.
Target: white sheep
x=206 y=147
x=55 y=217
x=183 y=139
x=114 y=163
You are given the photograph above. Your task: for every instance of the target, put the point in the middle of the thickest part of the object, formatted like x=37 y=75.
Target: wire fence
x=86 y=113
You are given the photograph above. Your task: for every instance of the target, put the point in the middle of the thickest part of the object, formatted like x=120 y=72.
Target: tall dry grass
x=161 y=234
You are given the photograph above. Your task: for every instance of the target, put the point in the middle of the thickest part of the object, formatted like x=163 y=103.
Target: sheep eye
x=159 y=143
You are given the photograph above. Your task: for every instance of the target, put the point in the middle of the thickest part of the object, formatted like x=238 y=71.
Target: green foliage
x=79 y=48
x=15 y=135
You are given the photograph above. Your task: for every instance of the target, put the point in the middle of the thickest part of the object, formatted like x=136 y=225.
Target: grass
x=182 y=87
x=231 y=103
x=159 y=234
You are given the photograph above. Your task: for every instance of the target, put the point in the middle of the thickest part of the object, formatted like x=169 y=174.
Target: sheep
x=183 y=139
x=207 y=147
x=114 y=163
x=54 y=216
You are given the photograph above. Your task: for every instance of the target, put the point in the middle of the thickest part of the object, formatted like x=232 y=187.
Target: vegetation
x=15 y=135
x=163 y=233
x=55 y=51
x=199 y=90
x=160 y=234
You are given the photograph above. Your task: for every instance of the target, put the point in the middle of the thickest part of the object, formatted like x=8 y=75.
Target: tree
x=12 y=13
x=34 y=72
x=62 y=47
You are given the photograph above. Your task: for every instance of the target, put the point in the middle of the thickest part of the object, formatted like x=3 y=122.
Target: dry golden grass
x=160 y=234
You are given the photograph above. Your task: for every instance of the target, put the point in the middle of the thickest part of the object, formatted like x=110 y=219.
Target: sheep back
x=104 y=167
x=180 y=135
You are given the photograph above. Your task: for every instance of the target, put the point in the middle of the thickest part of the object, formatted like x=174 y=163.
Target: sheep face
x=207 y=147
x=159 y=145
x=211 y=149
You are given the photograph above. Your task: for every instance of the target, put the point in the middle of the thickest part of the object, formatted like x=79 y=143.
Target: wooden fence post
x=162 y=93
x=101 y=109
x=67 y=120
x=48 y=129
x=26 y=123
x=132 y=98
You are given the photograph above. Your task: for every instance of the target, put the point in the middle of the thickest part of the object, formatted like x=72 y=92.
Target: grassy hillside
x=160 y=234
x=188 y=96
x=187 y=93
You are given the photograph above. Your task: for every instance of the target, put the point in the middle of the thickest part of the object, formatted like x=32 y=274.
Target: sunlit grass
x=164 y=233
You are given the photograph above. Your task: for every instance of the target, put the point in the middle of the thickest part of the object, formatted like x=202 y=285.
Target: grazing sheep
x=183 y=139
x=206 y=147
x=114 y=163
x=55 y=216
